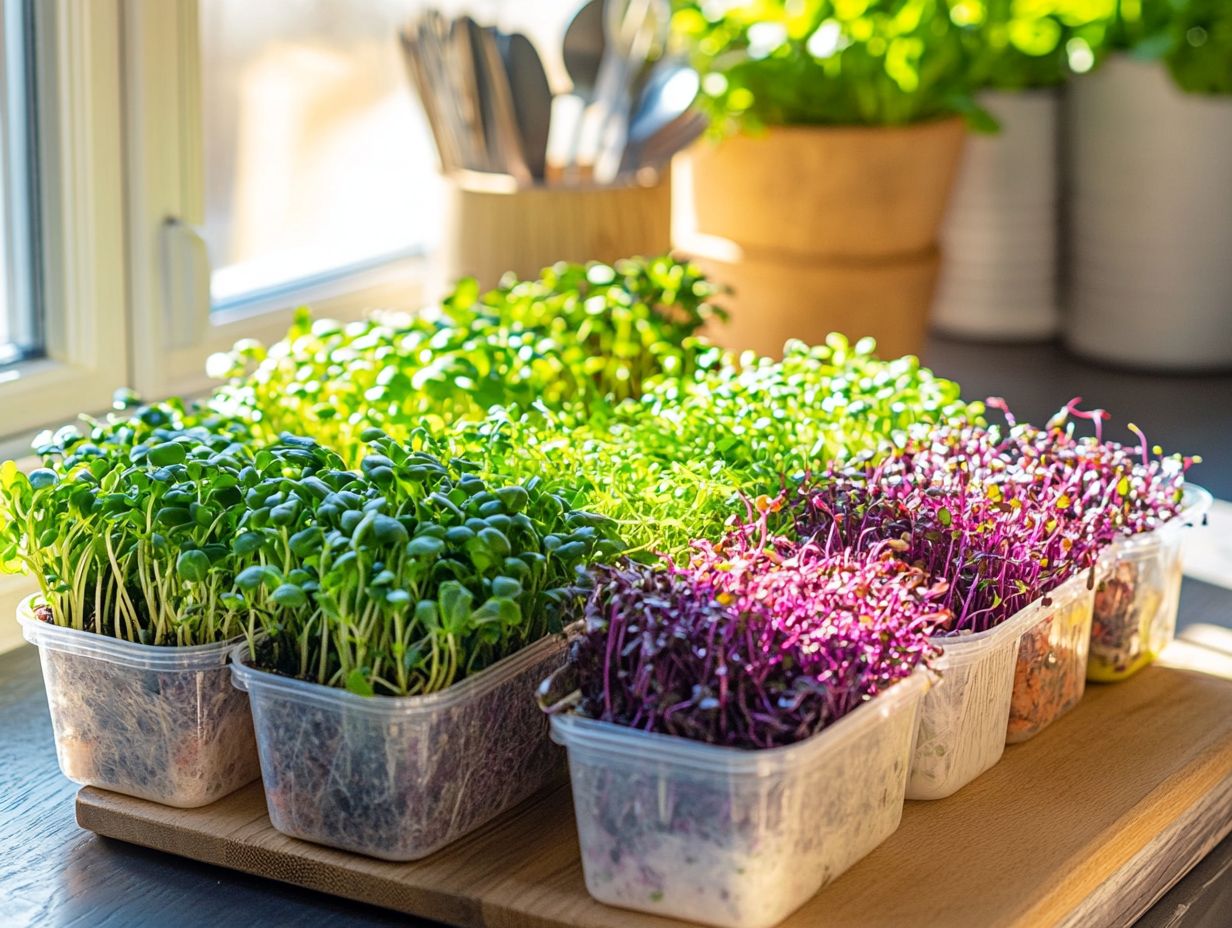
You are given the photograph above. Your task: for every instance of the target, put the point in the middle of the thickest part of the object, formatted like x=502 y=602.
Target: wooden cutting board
x=1088 y=824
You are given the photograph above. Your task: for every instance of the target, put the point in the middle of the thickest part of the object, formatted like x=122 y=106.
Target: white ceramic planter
x=999 y=241
x=1150 y=220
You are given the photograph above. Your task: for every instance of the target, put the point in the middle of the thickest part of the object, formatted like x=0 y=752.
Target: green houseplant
x=841 y=132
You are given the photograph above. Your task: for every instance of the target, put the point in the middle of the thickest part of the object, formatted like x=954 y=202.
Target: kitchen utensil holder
x=494 y=226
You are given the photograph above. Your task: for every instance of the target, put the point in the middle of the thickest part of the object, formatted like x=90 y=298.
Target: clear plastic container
x=1051 y=671
x=1137 y=600
x=964 y=716
x=160 y=723
x=733 y=837
x=401 y=777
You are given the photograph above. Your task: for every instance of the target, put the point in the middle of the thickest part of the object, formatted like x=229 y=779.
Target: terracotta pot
x=781 y=297
x=494 y=226
x=826 y=191
x=821 y=229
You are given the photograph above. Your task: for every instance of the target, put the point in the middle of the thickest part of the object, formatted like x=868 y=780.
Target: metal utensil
x=423 y=44
x=583 y=47
x=496 y=100
x=532 y=101
x=461 y=63
x=657 y=150
x=669 y=91
x=413 y=58
x=633 y=31
x=663 y=121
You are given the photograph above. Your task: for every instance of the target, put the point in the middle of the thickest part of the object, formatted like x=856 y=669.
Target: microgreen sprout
x=1002 y=519
x=757 y=642
x=579 y=335
x=127 y=526
x=411 y=573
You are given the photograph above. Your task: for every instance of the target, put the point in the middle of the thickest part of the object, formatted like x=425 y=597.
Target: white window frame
x=81 y=222
x=81 y=182
x=124 y=274
x=174 y=331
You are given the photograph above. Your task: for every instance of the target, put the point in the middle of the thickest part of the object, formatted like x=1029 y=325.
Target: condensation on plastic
x=1136 y=602
x=156 y=722
x=733 y=837
x=401 y=777
x=1051 y=670
x=964 y=716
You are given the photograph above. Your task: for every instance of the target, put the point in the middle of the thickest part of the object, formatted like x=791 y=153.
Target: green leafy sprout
x=388 y=508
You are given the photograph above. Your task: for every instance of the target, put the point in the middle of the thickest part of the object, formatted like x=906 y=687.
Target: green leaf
x=192 y=566
x=253 y=578
x=246 y=543
x=357 y=682
x=425 y=546
x=167 y=454
x=290 y=596
x=515 y=498
x=427 y=613
x=455 y=607
x=506 y=587
x=42 y=478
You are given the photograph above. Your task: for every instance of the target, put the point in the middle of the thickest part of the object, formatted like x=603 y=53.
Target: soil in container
x=180 y=737
x=400 y=777
x=1135 y=612
x=699 y=832
x=963 y=719
x=1050 y=673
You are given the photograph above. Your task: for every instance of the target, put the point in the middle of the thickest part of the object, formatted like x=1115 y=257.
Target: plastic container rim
x=963 y=648
x=248 y=678
x=621 y=741
x=163 y=657
x=1195 y=504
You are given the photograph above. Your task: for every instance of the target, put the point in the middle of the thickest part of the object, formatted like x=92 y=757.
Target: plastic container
x=733 y=837
x=401 y=777
x=964 y=716
x=160 y=723
x=1051 y=671
x=1137 y=600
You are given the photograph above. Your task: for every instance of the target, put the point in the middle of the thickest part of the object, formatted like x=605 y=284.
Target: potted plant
x=1151 y=220
x=999 y=276
x=739 y=728
x=127 y=529
x=1147 y=504
x=963 y=505
x=401 y=616
x=821 y=204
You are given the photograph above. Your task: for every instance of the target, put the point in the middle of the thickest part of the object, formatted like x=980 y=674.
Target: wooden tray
x=1088 y=824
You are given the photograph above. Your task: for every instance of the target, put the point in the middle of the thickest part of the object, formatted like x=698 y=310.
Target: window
x=20 y=314
x=317 y=159
x=180 y=174
x=63 y=326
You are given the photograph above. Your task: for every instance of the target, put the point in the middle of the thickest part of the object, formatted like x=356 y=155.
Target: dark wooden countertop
x=53 y=873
